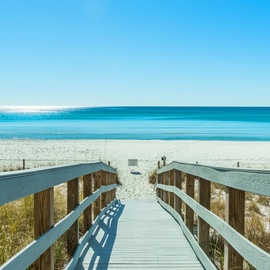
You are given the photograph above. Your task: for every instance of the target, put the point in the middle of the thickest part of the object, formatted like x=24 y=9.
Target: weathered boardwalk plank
x=138 y=234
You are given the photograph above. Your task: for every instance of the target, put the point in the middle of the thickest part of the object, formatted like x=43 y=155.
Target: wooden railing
x=237 y=181
x=99 y=184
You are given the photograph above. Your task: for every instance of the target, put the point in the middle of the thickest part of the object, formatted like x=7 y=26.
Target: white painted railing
x=99 y=184
x=237 y=181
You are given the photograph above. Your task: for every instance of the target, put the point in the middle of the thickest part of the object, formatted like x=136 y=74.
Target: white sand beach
x=148 y=153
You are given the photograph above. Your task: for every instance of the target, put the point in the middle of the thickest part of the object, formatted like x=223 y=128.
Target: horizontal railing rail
x=254 y=181
x=16 y=185
x=99 y=184
x=170 y=195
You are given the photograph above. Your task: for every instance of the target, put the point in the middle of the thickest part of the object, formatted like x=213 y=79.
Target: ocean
x=136 y=123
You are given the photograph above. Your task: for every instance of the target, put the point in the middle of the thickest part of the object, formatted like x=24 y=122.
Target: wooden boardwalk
x=138 y=234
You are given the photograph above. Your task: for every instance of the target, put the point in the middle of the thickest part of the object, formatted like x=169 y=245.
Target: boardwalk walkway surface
x=138 y=234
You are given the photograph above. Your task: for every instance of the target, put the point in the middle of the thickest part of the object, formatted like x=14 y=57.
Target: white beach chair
x=133 y=164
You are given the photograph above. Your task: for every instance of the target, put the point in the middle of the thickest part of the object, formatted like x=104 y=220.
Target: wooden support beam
x=189 y=211
x=168 y=183
x=88 y=212
x=158 y=190
x=204 y=190
x=171 y=183
x=235 y=217
x=44 y=219
x=96 y=187
x=95 y=178
x=99 y=200
x=114 y=180
x=103 y=182
x=177 y=200
x=163 y=193
x=108 y=181
x=165 y=182
x=72 y=202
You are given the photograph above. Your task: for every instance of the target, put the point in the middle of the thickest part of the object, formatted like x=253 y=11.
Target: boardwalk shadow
x=102 y=241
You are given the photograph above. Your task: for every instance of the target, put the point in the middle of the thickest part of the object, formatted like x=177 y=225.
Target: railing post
x=204 y=190
x=72 y=202
x=189 y=211
x=165 y=179
x=103 y=182
x=235 y=217
x=44 y=219
x=168 y=183
x=160 y=179
x=100 y=196
x=108 y=181
x=171 y=194
x=114 y=182
x=87 y=191
x=177 y=200
x=158 y=190
x=96 y=187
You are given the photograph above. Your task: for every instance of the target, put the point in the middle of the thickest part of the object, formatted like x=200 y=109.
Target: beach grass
x=152 y=178
x=17 y=228
x=256 y=224
x=17 y=225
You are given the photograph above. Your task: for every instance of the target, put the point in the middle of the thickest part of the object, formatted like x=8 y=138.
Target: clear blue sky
x=135 y=52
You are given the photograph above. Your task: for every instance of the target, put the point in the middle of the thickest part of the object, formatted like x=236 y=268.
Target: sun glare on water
x=33 y=109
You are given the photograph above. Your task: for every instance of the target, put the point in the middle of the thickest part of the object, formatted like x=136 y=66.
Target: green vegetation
x=17 y=224
x=255 y=224
x=152 y=178
x=118 y=181
x=17 y=227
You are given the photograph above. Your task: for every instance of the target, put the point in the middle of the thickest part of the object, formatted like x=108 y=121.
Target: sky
x=134 y=52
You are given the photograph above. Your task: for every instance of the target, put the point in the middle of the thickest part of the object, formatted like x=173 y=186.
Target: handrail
x=170 y=196
x=254 y=181
x=19 y=184
x=41 y=182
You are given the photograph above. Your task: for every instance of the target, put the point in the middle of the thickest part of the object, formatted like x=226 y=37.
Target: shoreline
x=38 y=153
x=139 y=140
x=88 y=149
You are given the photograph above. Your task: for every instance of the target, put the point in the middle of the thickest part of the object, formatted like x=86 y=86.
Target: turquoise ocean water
x=140 y=123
